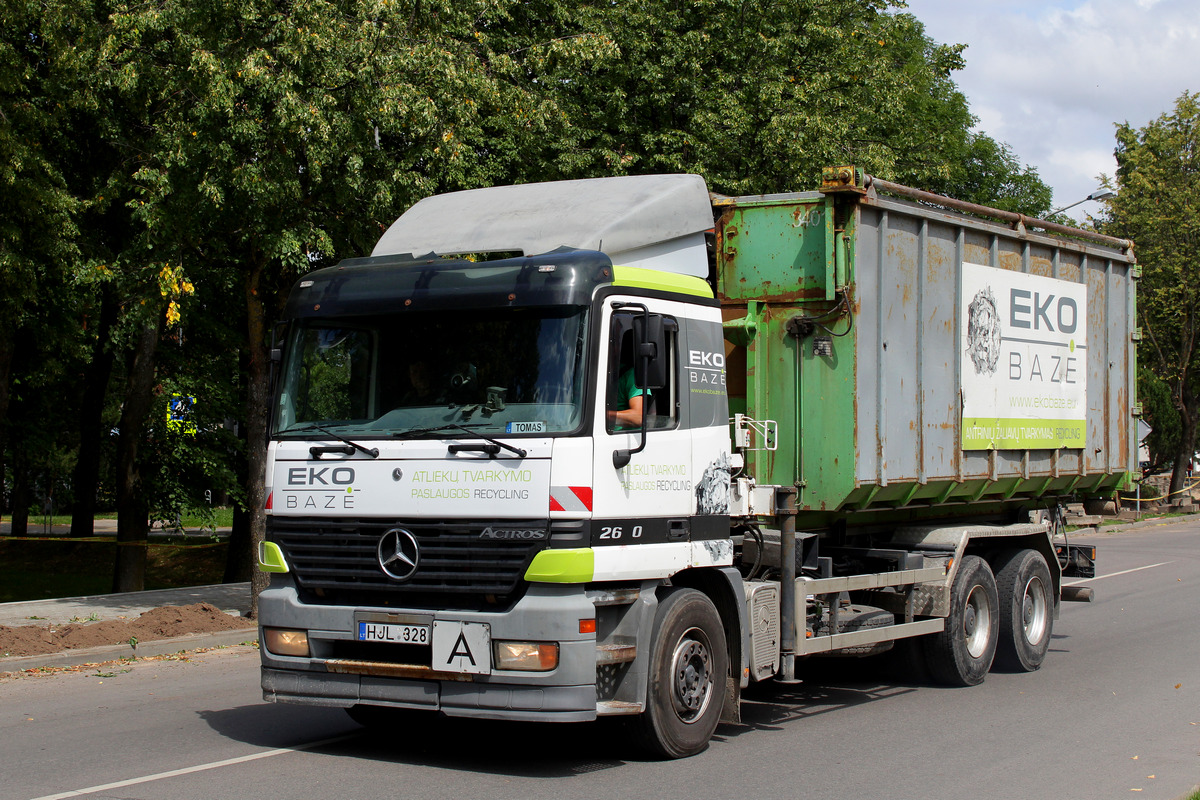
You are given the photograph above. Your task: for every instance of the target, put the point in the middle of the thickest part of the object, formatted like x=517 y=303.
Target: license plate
x=398 y=634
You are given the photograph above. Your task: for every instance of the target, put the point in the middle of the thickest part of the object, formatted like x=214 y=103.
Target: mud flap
x=731 y=712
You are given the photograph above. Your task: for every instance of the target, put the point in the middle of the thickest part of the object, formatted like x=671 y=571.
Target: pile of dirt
x=164 y=622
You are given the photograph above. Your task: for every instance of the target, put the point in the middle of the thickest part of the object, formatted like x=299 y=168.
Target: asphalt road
x=1114 y=712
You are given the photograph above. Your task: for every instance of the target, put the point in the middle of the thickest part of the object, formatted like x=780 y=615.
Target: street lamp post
x=1099 y=194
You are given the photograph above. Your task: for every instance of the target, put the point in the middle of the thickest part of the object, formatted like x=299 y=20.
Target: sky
x=1051 y=79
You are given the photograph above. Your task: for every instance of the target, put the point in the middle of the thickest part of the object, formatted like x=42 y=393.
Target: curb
x=156 y=647
x=1141 y=524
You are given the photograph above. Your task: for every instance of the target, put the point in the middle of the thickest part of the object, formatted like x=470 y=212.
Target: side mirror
x=650 y=342
x=651 y=367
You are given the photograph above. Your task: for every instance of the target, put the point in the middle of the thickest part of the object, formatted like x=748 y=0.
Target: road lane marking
x=198 y=768
x=1115 y=574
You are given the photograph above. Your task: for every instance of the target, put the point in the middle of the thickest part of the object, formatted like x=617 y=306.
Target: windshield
x=502 y=371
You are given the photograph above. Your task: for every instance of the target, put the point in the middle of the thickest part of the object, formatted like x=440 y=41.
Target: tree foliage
x=755 y=97
x=169 y=168
x=1158 y=206
x=1159 y=412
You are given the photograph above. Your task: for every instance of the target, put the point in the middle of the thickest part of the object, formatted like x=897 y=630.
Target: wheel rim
x=1035 y=612
x=691 y=675
x=977 y=622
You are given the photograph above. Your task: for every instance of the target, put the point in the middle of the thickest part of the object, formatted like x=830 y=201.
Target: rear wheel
x=961 y=654
x=1026 y=610
x=688 y=669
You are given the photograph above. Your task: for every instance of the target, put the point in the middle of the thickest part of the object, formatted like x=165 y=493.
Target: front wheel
x=961 y=654
x=689 y=665
x=1026 y=611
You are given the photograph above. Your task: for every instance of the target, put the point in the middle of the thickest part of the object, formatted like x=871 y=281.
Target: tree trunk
x=129 y=573
x=7 y=349
x=1187 y=444
x=240 y=558
x=91 y=419
x=257 y=389
x=20 y=498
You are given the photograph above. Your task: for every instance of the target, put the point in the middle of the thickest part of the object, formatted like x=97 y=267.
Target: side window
x=628 y=397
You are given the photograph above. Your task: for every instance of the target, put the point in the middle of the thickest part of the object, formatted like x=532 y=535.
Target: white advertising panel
x=1024 y=360
x=499 y=488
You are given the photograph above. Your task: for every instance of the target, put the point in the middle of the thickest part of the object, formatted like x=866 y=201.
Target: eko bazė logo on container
x=1025 y=337
x=983 y=332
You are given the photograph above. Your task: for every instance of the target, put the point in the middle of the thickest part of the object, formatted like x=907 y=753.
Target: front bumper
x=483 y=700
x=546 y=613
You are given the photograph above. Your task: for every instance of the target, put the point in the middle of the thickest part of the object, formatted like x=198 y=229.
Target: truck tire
x=962 y=653
x=1026 y=610
x=689 y=664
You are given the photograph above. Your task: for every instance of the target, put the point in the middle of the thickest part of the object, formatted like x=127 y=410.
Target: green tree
x=283 y=136
x=1158 y=206
x=755 y=97
x=987 y=172
x=1158 y=409
x=240 y=143
x=50 y=321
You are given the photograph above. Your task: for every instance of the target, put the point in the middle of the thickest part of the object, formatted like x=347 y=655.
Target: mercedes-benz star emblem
x=398 y=554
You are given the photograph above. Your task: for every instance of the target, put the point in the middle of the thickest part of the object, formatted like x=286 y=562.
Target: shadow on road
x=278 y=725
x=826 y=686
x=522 y=749
x=517 y=749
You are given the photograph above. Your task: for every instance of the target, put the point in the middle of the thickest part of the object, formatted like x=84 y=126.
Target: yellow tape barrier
x=1134 y=497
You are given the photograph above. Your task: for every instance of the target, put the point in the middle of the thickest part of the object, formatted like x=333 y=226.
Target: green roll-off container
x=848 y=315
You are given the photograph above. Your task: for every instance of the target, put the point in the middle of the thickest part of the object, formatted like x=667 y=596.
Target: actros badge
x=398 y=554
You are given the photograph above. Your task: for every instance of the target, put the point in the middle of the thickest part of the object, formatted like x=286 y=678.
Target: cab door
x=643 y=471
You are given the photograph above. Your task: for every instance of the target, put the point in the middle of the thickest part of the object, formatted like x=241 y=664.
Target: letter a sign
x=462 y=647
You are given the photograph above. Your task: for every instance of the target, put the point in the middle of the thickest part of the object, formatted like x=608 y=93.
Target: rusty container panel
x=869 y=403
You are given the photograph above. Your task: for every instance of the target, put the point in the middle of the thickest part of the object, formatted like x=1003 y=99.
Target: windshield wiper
x=493 y=448
x=318 y=450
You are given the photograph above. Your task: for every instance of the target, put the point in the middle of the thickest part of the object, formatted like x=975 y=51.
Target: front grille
x=336 y=562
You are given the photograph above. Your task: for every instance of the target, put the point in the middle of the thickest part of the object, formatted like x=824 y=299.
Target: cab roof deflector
x=612 y=215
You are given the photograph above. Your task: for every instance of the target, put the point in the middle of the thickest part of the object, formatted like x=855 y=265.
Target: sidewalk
x=232 y=598
x=1147 y=519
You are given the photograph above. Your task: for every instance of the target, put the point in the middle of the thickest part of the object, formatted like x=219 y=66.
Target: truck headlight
x=526 y=656
x=283 y=642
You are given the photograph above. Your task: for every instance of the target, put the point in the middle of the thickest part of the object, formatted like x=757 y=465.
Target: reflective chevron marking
x=570 y=498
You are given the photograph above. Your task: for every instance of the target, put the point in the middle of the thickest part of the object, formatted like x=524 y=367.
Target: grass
x=222 y=518
x=38 y=570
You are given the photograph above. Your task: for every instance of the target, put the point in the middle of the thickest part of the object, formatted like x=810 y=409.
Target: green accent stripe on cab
x=576 y=565
x=660 y=281
x=270 y=558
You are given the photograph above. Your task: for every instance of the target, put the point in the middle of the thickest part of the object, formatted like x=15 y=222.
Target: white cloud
x=1051 y=79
